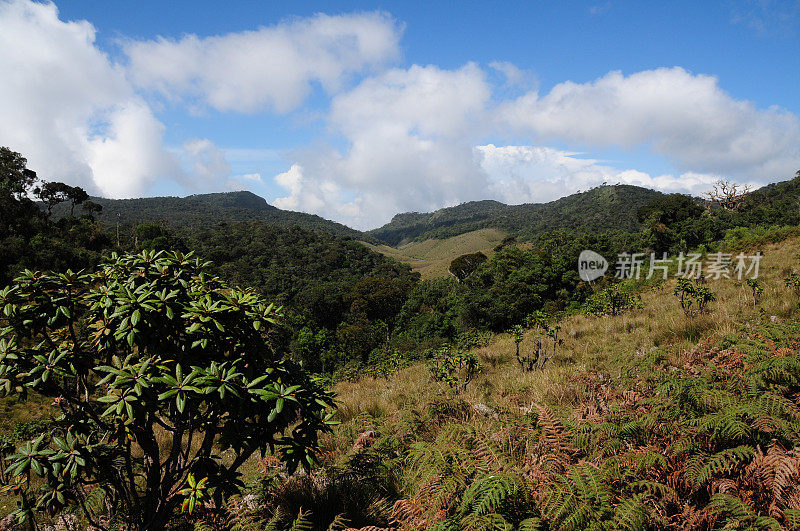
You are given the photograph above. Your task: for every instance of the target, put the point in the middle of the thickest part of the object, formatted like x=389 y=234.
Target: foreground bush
x=159 y=370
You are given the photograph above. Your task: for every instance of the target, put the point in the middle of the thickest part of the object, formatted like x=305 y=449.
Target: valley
x=431 y=258
x=465 y=377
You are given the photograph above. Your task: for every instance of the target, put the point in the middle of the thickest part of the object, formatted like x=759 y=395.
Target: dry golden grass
x=603 y=344
x=431 y=258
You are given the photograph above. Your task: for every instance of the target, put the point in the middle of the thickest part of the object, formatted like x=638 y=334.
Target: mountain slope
x=431 y=258
x=619 y=382
x=205 y=209
x=602 y=208
x=777 y=203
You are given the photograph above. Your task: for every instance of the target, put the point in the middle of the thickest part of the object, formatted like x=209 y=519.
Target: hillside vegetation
x=597 y=210
x=512 y=394
x=431 y=258
x=649 y=419
x=208 y=209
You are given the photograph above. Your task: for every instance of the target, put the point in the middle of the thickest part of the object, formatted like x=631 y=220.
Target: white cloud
x=599 y=9
x=411 y=135
x=248 y=181
x=776 y=18
x=69 y=110
x=515 y=77
x=403 y=138
x=314 y=195
x=206 y=164
x=686 y=118
x=129 y=156
x=511 y=174
x=272 y=68
x=536 y=174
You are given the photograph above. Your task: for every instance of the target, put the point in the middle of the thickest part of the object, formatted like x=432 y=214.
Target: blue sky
x=358 y=110
x=556 y=40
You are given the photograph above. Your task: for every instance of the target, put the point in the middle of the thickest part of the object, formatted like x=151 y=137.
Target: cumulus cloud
x=515 y=77
x=411 y=135
x=207 y=166
x=415 y=138
x=314 y=195
x=129 y=155
x=272 y=68
x=536 y=174
x=686 y=118
x=512 y=174
x=69 y=110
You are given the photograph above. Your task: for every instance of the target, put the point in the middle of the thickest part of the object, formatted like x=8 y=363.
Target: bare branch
x=728 y=194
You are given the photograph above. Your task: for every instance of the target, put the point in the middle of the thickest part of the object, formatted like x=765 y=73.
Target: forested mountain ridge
x=596 y=210
x=209 y=209
x=599 y=209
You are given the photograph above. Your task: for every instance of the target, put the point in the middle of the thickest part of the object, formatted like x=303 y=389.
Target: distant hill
x=205 y=209
x=776 y=203
x=599 y=209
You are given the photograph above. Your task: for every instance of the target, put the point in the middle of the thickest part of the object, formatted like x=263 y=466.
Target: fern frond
x=725 y=504
x=631 y=514
x=716 y=399
x=725 y=425
x=553 y=432
x=653 y=488
x=302 y=522
x=339 y=523
x=530 y=524
x=774 y=405
x=488 y=452
x=484 y=522
x=576 y=500
x=95 y=500
x=648 y=459
x=724 y=462
x=693 y=468
x=791 y=519
x=406 y=511
x=488 y=494
x=734 y=508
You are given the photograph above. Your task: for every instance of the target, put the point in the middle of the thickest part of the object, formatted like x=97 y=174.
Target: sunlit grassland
x=431 y=258
x=619 y=347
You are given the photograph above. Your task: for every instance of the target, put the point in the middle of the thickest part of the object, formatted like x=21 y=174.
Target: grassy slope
x=611 y=350
x=607 y=344
x=431 y=258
